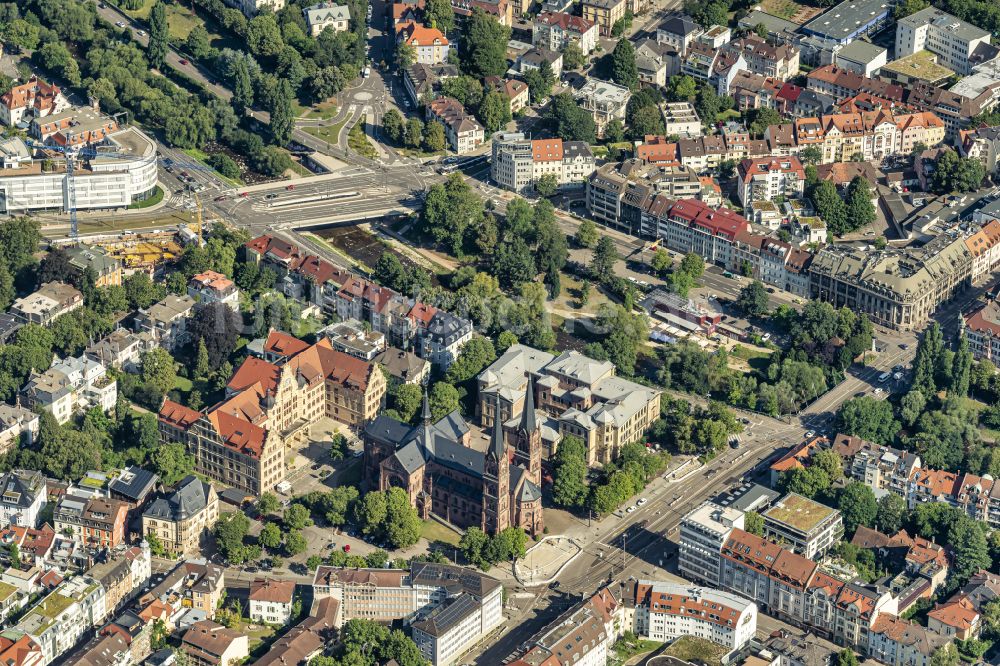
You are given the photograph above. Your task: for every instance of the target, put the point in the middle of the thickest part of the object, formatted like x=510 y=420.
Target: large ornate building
x=444 y=475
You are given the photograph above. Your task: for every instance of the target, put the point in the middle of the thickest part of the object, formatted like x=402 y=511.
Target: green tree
x=159 y=35
x=860 y=209
x=230 y=531
x=961 y=369
x=282 y=114
x=846 y=657
x=956 y=174
x=242 y=87
x=269 y=537
x=929 y=354
x=754 y=523
x=406 y=55
x=602 y=263
x=752 y=300
x=440 y=14
x=19 y=35
x=414 y=133
x=830 y=207
x=693 y=265
x=970 y=550
x=434 y=137
x=573 y=123
x=393 y=125
x=907 y=7
x=547 y=185
x=760 y=119
x=868 y=418
x=858 y=506
x=494 y=111
x=443 y=399
x=624 y=71
x=406 y=401
x=485 y=52
x=891 y=514
x=268 y=503
x=295 y=543
x=586 y=234
x=264 y=35
x=296 y=517
x=198 y=42
x=569 y=481
x=402 y=528
x=682 y=88
x=171 y=462
x=476 y=355
x=157 y=369
x=573 y=57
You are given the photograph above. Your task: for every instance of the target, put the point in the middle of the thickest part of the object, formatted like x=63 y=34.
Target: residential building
x=779 y=62
x=444 y=476
x=23 y=495
x=982 y=331
x=17 y=424
x=166 y=322
x=463 y=131
x=583 y=395
x=194 y=584
x=617 y=191
x=271 y=600
x=955 y=618
x=424 y=81
x=21 y=651
x=666 y=611
x=554 y=30
x=32 y=99
x=703 y=531
x=62 y=617
x=955 y=109
x=106 y=268
x=96 y=522
x=982 y=143
x=69 y=386
x=680 y=118
x=123 y=574
x=76 y=126
x=604 y=13
x=767 y=179
x=881 y=468
x=919 y=67
x=899 y=289
x=51 y=300
x=501 y=10
x=678 y=31
x=960 y=45
x=897 y=642
x=351 y=337
x=809 y=527
x=606 y=101
x=305 y=640
x=133 y=485
x=655 y=62
x=211 y=287
x=32 y=181
x=181 y=519
x=519 y=162
x=841 y=82
x=514 y=90
x=209 y=644
x=535 y=58
x=403 y=366
x=583 y=636
x=429 y=44
x=325 y=15
x=120 y=349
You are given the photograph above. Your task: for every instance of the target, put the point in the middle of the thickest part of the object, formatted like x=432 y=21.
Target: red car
x=184 y=61
x=290 y=187
x=244 y=194
x=347 y=547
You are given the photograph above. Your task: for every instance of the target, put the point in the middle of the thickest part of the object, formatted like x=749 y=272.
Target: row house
x=793 y=588
x=954 y=109
x=193 y=584
x=518 y=162
x=664 y=611
x=62 y=617
x=982 y=331
x=95 y=522
x=433 y=334
x=584 y=635
x=841 y=83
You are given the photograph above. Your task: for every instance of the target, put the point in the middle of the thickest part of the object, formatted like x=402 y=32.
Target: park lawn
x=183 y=384
x=697 y=650
x=357 y=140
x=181 y=21
x=202 y=156
x=569 y=295
x=321 y=111
x=329 y=133
x=142 y=12
x=435 y=531
x=782 y=8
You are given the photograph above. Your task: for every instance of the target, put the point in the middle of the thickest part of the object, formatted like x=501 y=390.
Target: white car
x=120 y=24
x=141 y=33
x=642 y=500
x=811 y=433
x=878 y=391
x=630 y=509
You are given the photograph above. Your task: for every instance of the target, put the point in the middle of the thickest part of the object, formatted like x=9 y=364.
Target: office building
x=702 y=533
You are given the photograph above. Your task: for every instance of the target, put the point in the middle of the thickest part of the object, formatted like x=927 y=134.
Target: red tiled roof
x=547 y=150
x=568 y=22
x=958 y=613
x=284 y=344
x=178 y=415
x=237 y=434
x=255 y=372
x=721 y=222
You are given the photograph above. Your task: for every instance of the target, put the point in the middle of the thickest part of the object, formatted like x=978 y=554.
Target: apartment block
x=583 y=636
x=212 y=287
x=767 y=179
x=51 y=300
x=23 y=495
x=463 y=131
x=960 y=45
x=96 y=522
x=325 y=15
x=181 y=519
x=604 y=13
x=518 y=162
x=666 y=611
x=69 y=386
x=271 y=600
x=554 y=30
x=809 y=527
x=702 y=534
x=779 y=62
x=429 y=44
x=166 y=322
x=606 y=101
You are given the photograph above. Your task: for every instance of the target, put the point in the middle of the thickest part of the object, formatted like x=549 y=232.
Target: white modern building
x=554 y=30
x=767 y=178
x=702 y=533
x=125 y=174
x=810 y=528
x=22 y=497
x=518 y=162
x=271 y=600
x=680 y=118
x=606 y=101
x=69 y=385
x=960 y=45
x=664 y=611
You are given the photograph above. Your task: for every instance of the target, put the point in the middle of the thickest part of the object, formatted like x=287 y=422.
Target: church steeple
x=425 y=413
x=497 y=443
x=528 y=413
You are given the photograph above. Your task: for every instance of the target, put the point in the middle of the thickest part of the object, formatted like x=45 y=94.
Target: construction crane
x=197 y=200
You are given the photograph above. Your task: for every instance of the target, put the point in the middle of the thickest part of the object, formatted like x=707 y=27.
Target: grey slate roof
x=190 y=497
x=134 y=483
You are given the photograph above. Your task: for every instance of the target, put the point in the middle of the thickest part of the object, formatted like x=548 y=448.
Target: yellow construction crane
x=197 y=200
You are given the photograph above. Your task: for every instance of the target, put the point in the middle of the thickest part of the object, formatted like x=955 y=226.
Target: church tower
x=528 y=437
x=496 y=480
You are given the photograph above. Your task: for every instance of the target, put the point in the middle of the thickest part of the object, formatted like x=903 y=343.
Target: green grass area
x=357 y=140
x=181 y=21
x=301 y=170
x=142 y=12
x=600 y=152
x=321 y=111
x=697 y=650
x=201 y=156
x=782 y=8
x=153 y=199
x=183 y=384
x=630 y=646
x=328 y=133
x=435 y=531
x=747 y=354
